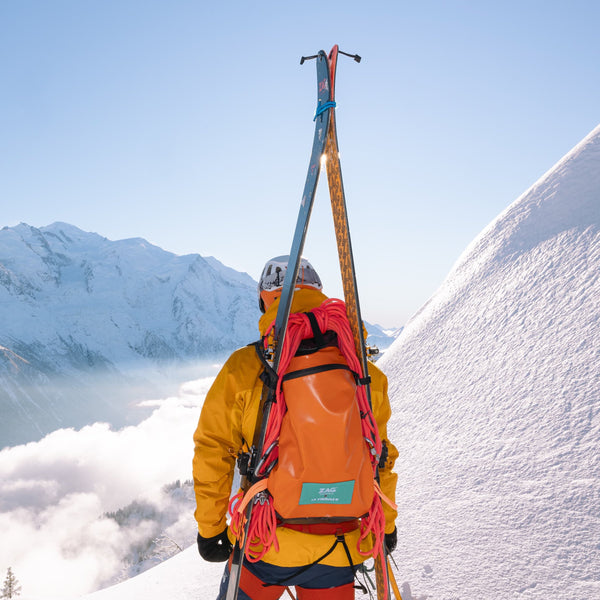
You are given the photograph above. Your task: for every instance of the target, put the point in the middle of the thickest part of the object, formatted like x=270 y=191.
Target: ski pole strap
x=323 y=107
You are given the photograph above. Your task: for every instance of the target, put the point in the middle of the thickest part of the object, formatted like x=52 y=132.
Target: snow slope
x=496 y=391
x=185 y=576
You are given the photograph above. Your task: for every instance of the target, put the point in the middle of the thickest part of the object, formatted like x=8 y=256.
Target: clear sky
x=190 y=124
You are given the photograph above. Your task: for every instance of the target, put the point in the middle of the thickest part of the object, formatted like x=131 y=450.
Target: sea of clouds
x=55 y=493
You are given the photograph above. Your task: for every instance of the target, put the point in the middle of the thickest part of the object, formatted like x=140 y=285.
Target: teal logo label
x=327 y=493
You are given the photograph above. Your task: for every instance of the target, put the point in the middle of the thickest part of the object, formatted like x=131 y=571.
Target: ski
x=322 y=121
x=348 y=271
x=342 y=228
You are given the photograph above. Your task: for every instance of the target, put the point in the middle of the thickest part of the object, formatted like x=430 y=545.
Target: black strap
x=339 y=539
x=317 y=333
x=316 y=369
x=269 y=375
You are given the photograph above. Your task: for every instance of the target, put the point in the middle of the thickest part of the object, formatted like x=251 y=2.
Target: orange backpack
x=324 y=471
x=322 y=447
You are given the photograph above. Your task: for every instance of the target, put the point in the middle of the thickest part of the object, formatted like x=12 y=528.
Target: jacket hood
x=304 y=299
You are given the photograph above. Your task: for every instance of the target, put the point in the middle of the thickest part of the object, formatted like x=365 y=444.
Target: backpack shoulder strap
x=268 y=376
x=317 y=333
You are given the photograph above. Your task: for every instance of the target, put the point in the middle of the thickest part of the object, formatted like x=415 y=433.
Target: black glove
x=215 y=549
x=391 y=539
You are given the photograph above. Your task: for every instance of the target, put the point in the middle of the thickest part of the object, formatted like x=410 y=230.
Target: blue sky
x=190 y=124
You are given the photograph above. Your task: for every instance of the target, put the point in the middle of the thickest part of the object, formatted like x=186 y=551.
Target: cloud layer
x=54 y=494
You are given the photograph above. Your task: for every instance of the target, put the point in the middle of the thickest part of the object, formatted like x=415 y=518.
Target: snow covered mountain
x=496 y=390
x=104 y=316
x=381 y=337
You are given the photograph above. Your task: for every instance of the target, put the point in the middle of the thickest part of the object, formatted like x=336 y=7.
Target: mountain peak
x=75 y=303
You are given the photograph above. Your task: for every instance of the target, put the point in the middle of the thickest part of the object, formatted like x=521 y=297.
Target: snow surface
x=495 y=389
x=185 y=576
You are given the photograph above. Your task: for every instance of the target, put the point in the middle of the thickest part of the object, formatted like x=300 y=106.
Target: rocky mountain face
x=88 y=324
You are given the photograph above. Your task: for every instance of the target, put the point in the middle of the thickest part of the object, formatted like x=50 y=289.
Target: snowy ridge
x=563 y=199
x=496 y=391
x=76 y=305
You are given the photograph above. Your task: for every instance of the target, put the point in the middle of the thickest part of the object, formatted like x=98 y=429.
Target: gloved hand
x=215 y=549
x=391 y=539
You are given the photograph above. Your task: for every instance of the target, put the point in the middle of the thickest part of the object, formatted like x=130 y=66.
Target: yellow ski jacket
x=226 y=428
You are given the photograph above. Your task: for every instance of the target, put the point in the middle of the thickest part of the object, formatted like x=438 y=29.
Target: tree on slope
x=11 y=587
